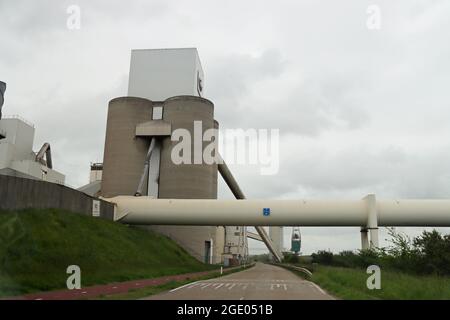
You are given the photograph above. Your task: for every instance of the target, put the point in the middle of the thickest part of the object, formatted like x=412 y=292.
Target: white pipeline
x=366 y=212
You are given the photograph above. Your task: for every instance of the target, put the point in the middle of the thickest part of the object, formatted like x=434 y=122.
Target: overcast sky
x=359 y=110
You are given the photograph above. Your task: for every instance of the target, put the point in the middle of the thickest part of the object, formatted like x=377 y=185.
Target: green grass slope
x=37 y=246
x=350 y=283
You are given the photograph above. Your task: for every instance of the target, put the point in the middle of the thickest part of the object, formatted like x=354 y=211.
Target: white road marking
x=231 y=287
x=278 y=286
x=241 y=298
x=220 y=285
x=189 y=285
x=205 y=286
x=317 y=287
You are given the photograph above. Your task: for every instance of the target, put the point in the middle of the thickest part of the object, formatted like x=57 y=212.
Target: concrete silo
x=129 y=131
x=124 y=153
x=190 y=180
x=138 y=146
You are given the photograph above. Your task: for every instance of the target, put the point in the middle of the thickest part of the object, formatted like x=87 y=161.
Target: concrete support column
x=364 y=238
x=374 y=242
x=372 y=220
x=276 y=234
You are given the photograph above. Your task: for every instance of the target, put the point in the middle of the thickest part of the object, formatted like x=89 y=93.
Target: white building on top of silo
x=159 y=74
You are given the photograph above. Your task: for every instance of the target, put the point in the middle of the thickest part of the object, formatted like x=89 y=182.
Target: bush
x=428 y=253
x=433 y=251
x=322 y=257
x=289 y=257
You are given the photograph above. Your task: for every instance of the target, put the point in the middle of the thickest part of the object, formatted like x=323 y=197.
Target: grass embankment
x=37 y=246
x=350 y=283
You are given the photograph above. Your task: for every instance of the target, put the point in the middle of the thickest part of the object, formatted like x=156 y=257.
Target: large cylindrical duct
x=124 y=154
x=311 y=213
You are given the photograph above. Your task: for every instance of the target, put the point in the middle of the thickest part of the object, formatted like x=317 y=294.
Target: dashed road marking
x=188 y=285
x=278 y=286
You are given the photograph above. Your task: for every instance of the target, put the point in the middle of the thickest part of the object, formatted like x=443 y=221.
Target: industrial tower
x=165 y=94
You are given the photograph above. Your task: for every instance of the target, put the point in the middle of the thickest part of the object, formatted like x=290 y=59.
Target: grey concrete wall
x=19 y=193
x=14 y=173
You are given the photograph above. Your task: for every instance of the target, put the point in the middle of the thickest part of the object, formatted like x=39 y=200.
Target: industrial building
x=17 y=157
x=140 y=184
x=165 y=93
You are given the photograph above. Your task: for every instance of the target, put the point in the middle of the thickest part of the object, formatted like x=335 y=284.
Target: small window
x=157 y=113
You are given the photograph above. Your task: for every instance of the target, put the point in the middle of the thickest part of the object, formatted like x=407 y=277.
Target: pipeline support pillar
x=364 y=238
x=372 y=220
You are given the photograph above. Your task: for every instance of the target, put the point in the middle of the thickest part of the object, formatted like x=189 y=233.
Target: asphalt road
x=262 y=282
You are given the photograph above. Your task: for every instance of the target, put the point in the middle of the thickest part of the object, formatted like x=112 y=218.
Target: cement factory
x=147 y=188
x=164 y=93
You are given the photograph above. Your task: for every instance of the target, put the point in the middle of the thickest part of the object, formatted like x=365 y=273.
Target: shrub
x=428 y=253
x=322 y=257
x=289 y=257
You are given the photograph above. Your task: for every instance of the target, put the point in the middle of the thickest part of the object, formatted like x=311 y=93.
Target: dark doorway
x=207 y=252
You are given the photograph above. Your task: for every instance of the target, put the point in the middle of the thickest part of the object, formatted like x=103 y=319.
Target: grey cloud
x=231 y=77
x=315 y=104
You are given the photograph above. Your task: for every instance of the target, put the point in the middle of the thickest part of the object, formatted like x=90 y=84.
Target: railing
x=296 y=268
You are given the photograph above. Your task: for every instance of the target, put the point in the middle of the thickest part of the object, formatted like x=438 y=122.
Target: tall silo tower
x=124 y=153
x=165 y=89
